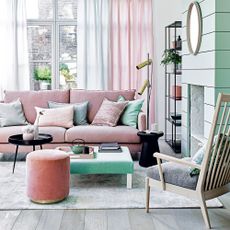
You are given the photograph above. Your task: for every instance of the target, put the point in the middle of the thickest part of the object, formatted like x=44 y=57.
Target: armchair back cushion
x=30 y=99
x=96 y=97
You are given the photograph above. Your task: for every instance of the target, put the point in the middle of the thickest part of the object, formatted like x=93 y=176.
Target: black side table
x=18 y=140
x=149 y=146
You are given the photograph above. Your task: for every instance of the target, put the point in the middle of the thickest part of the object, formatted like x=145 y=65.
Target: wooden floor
x=122 y=219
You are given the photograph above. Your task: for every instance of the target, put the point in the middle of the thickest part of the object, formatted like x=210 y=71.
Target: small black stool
x=149 y=146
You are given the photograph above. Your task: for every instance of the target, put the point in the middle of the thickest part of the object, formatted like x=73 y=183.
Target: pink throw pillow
x=109 y=113
x=61 y=117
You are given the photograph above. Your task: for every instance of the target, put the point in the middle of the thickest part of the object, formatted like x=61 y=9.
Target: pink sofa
x=93 y=135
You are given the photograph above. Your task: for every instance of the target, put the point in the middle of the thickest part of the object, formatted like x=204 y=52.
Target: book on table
x=110 y=147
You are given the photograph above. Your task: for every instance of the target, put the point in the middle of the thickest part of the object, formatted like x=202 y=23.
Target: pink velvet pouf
x=48 y=174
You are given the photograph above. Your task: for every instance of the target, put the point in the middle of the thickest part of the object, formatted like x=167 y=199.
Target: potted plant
x=65 y=73
x=171 y=57
x=43 y=75
x=28 y=132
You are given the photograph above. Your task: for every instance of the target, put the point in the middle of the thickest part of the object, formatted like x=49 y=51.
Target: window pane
x=39 y=43
x=68 y=75
x=68 y=43
x=41 y=75
x=67 y=9
x=39 y=9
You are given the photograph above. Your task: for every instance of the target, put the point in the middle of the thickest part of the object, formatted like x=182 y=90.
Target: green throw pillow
x=198 y=157
x=130 y=115
x=80 y=111
x=12 y=114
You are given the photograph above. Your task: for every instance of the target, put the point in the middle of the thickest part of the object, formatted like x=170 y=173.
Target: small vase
x=28 y=136
x=36 y=132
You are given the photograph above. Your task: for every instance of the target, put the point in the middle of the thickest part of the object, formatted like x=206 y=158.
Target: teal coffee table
x=105 y=163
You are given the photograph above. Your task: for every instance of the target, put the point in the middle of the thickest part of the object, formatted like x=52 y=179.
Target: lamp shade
x=144 y=86
x=143 y=64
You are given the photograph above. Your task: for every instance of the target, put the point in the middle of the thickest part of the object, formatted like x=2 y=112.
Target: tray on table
x=72 y=155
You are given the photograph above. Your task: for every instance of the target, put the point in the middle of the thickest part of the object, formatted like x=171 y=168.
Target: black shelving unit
x=172 y=78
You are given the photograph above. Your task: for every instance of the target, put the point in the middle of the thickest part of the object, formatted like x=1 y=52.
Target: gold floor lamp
x=147 y=84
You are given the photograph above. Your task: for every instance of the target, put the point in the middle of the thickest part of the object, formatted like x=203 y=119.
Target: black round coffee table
x=149 y=146
x=18 y=140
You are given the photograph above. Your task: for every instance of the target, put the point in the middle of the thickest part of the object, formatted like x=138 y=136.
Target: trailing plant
x=171 y=56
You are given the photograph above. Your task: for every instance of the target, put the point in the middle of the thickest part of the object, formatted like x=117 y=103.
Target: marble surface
x=90 y=192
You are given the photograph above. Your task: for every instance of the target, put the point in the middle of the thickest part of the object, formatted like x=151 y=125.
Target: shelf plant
x=171 y=56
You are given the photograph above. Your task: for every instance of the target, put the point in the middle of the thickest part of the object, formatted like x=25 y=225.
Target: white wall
x=164 y=13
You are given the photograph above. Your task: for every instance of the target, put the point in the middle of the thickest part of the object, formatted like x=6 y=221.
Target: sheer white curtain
x=93 y=43
x=14 y=63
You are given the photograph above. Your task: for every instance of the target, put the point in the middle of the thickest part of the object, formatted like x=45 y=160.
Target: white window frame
x=55 y=24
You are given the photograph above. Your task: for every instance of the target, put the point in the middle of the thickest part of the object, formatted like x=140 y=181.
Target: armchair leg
x=204 y=211
x=147 y=188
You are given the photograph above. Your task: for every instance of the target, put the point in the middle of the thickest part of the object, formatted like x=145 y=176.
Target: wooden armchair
x=214 y=177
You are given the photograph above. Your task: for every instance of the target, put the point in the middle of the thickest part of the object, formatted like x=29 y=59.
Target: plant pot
x=176 y=92
x=44 y=85
x=28 y=136
x=171 y=68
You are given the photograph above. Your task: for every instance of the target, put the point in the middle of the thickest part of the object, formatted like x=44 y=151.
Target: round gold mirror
x=194 y=28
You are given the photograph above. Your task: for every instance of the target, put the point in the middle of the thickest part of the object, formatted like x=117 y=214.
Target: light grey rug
x=90 y=192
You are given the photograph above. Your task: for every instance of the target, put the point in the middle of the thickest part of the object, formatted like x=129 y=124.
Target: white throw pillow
x=62 y=117
x=12 y=114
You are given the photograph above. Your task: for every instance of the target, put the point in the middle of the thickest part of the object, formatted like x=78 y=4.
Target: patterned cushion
x=109 y=113
x=61 y=117
x=175 y=174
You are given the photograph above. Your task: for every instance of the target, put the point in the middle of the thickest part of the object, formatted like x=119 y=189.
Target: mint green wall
x=222 y=46
x=211 y=66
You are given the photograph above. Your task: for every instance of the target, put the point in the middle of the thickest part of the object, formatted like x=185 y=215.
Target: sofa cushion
x=109 y=113
x=80 y=111
x=12 y=114
x=99 y=134
x=96 y=97
x=58 y=133
x=30 y=99
x=130 y=115
x=61 y=117
x=175 y=174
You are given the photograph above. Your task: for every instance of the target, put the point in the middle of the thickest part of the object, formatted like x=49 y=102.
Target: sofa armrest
x=141 y=121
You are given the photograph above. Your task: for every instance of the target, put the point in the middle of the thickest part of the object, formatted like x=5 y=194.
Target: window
x=52 y=42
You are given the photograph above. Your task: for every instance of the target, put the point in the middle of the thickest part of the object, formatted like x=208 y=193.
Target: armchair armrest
x=176 y=160
x=141 y=125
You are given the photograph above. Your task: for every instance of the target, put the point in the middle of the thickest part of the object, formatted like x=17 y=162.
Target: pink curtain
x=131 y=38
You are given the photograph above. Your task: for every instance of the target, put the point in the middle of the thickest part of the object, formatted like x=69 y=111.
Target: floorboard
x=50 y=219
x=27 y=220
x=139 y=219
x=118 y=219
x=73 y=220
x=7 y=219
x=96 y=219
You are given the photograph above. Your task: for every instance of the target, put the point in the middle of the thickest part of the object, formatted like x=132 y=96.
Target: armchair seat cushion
x=175 y=174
